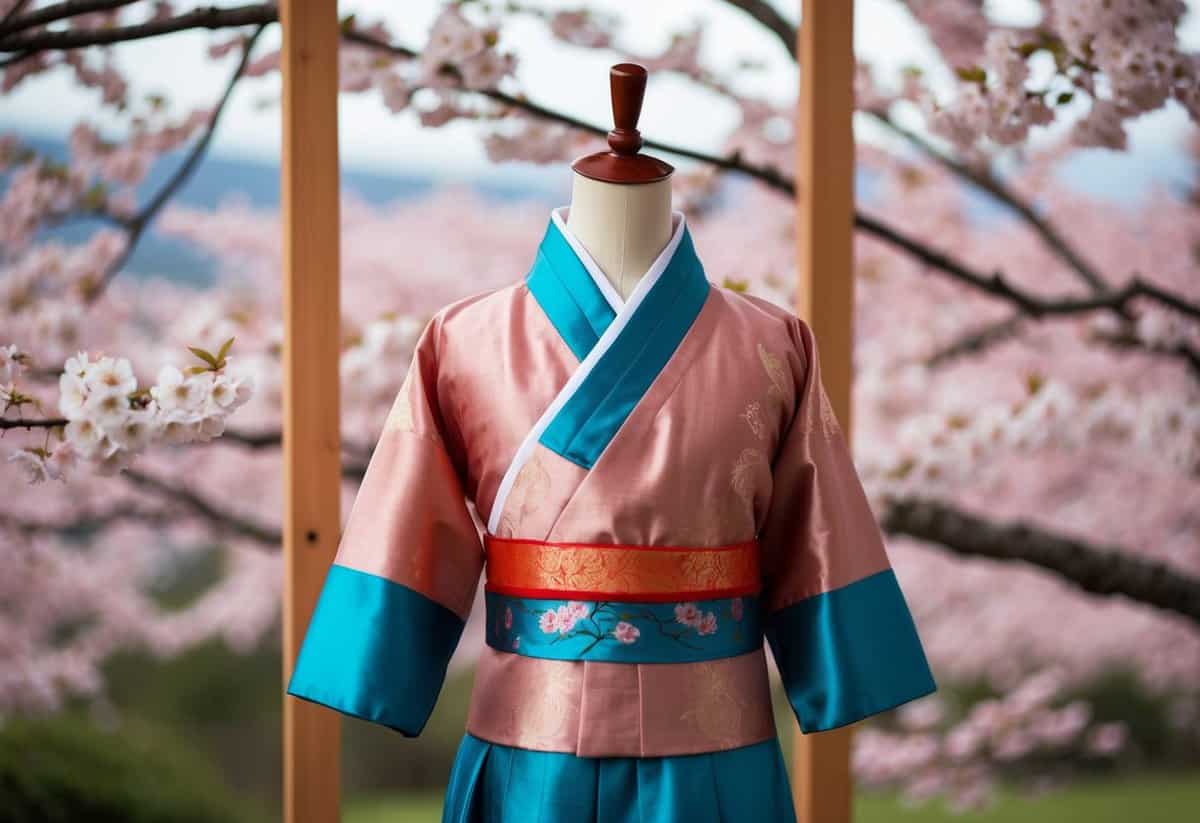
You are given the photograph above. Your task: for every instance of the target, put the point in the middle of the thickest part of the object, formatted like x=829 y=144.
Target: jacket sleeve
x=838 y=625
x=394 y=603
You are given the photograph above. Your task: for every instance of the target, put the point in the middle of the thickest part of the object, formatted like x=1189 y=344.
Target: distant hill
x=218 y=178
x=1122 y=177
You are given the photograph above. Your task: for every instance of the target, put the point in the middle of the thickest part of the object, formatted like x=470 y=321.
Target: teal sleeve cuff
x=849 y=653
x=375 y=650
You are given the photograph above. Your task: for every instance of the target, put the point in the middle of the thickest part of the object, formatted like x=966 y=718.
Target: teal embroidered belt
x=615 y=632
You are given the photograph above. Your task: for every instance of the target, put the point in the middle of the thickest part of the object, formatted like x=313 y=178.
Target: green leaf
x=203 y=355
x=971 y=74
x=347 y=23
x=224 y=350
x=1065 y=97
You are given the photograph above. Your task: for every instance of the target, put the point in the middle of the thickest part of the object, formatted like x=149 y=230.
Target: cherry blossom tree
x=1026 y=413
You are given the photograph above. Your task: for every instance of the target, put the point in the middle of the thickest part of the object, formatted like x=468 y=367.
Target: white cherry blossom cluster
x=936 y=453
x=109 y=419
x=460 y=54
x=1124 y=56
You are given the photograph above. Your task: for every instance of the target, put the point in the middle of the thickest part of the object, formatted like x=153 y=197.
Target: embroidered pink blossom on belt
x=688 y=614
x=626 y=632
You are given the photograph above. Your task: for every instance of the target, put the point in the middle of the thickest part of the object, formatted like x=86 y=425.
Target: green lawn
x=1156 y=799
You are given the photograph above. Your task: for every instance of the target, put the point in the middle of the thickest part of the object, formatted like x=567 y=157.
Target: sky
x=568 y=79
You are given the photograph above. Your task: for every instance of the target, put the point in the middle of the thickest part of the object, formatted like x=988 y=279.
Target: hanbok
x=660 y=484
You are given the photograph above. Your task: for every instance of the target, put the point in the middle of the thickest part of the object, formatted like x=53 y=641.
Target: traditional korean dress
x=664 y=484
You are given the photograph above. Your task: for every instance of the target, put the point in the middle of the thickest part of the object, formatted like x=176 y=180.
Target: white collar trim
x=611 y=295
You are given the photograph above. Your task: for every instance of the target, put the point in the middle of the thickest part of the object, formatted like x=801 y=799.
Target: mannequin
x=620 y=199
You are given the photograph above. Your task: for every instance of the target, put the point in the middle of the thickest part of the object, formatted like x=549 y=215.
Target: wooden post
x=824 y=227
x=311 y=448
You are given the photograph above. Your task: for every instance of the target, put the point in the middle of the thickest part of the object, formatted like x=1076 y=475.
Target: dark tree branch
x=193 y=502
x=138 y=224
x=763 y=12
x=995 y=285
x=31 y=423
x=16 y=9
x=208 y=17
x=88 y=522
x=976 y=341
x=55 y=12
x=1003 y=195
x=1098 y=570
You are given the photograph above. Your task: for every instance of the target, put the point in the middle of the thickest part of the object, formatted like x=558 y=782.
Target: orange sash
x=589 y=571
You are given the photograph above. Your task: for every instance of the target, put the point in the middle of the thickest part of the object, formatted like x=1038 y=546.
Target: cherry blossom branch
x=260 y=533
x=208 y=17
x=786 y=33
x=993 y=284
x=55 y=12
x=1001 y=193
x=773 y=178
x=137 y=225
x=1098 y=570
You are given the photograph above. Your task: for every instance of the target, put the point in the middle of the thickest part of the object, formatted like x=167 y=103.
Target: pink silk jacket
x=664 y=484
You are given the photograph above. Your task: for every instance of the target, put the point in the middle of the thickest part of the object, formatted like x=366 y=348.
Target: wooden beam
x=824 y=227
x=312 y=476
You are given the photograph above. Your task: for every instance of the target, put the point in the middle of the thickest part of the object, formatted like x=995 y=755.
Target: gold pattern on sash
x=518 y=565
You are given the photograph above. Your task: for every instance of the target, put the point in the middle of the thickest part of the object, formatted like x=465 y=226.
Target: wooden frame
x=311 y=227
x=824 y=235
x=311 y=432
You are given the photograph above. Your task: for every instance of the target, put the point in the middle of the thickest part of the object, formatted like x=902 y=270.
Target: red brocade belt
x=636 y=574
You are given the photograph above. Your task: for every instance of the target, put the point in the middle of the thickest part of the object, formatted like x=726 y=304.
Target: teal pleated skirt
x=490 y=783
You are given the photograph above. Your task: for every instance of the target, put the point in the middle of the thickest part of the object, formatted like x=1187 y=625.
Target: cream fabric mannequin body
x=622 y=226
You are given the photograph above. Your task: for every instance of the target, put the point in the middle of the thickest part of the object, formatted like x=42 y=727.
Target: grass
x=1149 y=799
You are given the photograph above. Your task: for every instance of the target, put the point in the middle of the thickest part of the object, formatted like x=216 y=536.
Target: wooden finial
x=623 y=163
x=628 y=82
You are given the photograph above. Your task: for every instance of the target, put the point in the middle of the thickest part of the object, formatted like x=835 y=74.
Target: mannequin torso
x=622 y=226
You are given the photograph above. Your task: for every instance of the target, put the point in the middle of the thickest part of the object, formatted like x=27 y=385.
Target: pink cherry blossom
x=707 y=624
x=736 y=609
x=688 y=614
x=548 y=622
x=566 y=618
x=508 y=617
x=626 y=633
